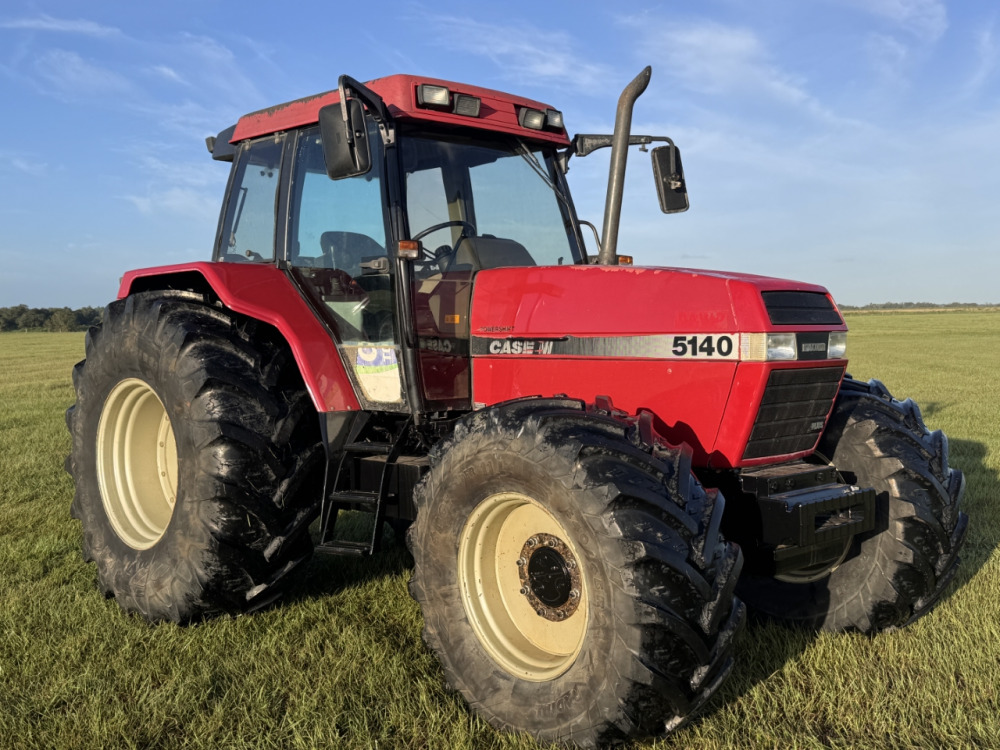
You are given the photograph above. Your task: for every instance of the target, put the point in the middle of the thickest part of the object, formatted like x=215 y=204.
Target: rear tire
x=196 y=458
x=896 y=573
x=572 y=578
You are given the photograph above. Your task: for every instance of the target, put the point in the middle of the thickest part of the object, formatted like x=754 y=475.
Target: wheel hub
x=550 y=577
x=136 y=463
x=525 y=594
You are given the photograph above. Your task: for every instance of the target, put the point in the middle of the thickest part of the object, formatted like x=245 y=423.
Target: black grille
x=800 y=309
x=792 y=411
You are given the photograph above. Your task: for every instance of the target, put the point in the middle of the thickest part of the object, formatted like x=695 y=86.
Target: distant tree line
x=910 y=306
x=24 y=318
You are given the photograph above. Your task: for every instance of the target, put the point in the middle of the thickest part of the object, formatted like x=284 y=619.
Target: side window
x=335 y=223
x=248 y=231
x=337 y=236
x=427 y=205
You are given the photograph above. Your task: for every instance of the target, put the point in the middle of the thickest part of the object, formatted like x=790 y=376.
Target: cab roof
x=498 y=111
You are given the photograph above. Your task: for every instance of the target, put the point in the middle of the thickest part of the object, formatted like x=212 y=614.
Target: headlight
x=838 y=345
x=780 y=346
x=767 y=347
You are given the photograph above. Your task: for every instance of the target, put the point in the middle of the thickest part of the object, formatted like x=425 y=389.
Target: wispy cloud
x=179 y=189
x=713 y=59
x=987 y=59
x=176 y=201
x=68 y=75
x=523 y=53
x=168 y=73
x=888 y=58
x=925 y=19
x=45 y=22
x=24 y=164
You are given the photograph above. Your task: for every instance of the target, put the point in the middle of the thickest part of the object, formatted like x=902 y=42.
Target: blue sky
x=851 y=143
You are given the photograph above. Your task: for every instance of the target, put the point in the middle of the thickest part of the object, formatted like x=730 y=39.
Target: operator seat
x=487 y=251
x=347 y=250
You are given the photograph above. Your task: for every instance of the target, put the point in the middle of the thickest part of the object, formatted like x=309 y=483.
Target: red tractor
x=401 y=318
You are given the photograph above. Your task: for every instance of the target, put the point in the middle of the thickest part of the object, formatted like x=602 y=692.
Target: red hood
x=623 y=301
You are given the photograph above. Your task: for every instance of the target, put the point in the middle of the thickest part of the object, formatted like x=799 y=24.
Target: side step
x=343 y=548
x=366 y=501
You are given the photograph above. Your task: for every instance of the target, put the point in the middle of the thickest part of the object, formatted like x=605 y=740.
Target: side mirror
x=345 y=139
x=669 y=175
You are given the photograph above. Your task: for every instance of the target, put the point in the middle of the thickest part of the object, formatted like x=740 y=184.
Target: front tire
x=572 y=579
x=890 y=576
x=196 y=458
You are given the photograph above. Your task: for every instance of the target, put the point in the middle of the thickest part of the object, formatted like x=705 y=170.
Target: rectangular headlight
x=837 y=347
x=531 y=118
x=554 y=119
x=767 y=347
x=466 y=105
x=433 y=96
x=780 y=346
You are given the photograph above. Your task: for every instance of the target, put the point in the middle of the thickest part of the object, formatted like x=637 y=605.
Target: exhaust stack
x=608 y=255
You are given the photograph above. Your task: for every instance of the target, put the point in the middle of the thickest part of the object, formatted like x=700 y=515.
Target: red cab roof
x=498 y=111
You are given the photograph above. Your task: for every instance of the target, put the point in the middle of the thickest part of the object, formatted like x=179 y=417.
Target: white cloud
x=169 y=74
x=888 y=57
x=713 y=59
x=176 y=201
x=45 y=22
x=67 y=74
x=926 y=19
x=33 y=168
x=987 y=60
x=523 y=53
x=24 y=164
x=174 y=188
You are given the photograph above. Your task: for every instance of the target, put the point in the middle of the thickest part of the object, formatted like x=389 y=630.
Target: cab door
x=337 y=251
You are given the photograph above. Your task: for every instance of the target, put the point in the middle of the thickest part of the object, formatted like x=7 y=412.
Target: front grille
x=792 y=411
x=800 y=309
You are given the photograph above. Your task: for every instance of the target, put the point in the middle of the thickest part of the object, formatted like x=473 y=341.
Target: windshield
x=495 y=202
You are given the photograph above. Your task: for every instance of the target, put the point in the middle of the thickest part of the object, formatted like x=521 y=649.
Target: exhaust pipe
x=608 y=255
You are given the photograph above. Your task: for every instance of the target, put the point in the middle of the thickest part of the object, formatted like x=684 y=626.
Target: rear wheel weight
x=573 y=585
x=891 y=576
x=196 y=458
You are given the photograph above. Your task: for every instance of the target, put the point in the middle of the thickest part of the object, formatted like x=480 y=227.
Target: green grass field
x=341 y=663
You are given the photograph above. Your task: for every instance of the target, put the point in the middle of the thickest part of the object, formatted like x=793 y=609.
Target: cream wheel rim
x=523 y=586
x=136 y=463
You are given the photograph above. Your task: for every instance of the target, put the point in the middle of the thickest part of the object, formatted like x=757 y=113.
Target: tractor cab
x=435 y=204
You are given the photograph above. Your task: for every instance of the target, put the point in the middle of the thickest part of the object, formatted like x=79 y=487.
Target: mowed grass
x=341 y=663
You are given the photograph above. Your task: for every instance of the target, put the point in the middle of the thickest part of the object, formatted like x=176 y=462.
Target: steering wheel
x=467 y=229
x=440 y=253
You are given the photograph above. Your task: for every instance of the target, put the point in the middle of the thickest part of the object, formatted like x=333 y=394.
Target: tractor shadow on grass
x=765 y=648
x=327 y=575
x=981 y=504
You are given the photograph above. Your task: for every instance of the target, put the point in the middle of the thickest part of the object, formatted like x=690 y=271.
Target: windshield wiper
x=529 y=156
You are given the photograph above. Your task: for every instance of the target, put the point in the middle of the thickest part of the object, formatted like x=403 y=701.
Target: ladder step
x=342 y=547
x=368 y=500
x=371 y=448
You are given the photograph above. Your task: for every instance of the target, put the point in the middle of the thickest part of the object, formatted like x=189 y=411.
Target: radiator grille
x=792 y=411
x=800 y=309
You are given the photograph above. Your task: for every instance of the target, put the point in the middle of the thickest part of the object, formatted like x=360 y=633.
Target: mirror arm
x=350 y=87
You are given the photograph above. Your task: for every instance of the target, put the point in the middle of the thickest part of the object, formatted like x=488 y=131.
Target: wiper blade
x=529 y=156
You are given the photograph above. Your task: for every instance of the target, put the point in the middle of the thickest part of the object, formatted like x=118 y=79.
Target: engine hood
x=628 y=301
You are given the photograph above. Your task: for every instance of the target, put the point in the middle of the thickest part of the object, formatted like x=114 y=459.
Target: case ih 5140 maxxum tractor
x=400 y=318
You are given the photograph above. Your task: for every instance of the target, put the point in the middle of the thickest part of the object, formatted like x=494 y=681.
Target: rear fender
x=264 y=293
